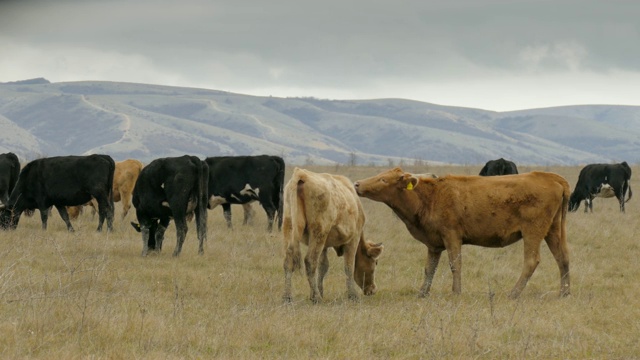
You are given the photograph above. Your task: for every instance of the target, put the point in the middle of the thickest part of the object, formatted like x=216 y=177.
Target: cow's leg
x=249 y=214
x=126 y=204
x=322 y=271
x=181 y=233
x=620 y=198
x=201 y=225
x=317 y=239
x=65 y=217
x=349 y=266
x=144 y=230
x=291 y=258
x=531 y=261
x=226 y=210
x=454 y=250
x=270 y=209
x=159 y=233
x=557 y=242
x=433 y=258
x=44 y=216
x=104 y=212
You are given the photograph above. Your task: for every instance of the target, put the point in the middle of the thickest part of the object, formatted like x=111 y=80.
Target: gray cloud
x=323 y=45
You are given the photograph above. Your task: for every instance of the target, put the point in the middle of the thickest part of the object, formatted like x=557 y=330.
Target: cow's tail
x=202 y=184
x=112 y=207
x=295 y=220
x=280 y=194
x=628 y=190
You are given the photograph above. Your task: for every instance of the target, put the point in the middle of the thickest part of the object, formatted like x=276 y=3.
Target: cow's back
x=323 y=201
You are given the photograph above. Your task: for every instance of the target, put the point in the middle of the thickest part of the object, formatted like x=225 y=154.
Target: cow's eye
x=383 y=181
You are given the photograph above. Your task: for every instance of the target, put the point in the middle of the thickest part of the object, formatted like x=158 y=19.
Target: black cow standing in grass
x=171 y=188
x=499 y=167
x=62 y=181
x=601 y=180
x=245 y=179
x=9 y=172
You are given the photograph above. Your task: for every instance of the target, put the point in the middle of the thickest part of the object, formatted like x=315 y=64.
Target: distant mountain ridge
x=128 y=120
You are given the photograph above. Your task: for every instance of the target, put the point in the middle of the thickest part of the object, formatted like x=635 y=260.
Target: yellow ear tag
x=410 y=186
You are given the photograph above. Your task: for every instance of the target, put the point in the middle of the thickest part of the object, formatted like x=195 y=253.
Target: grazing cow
x=499 y=167
x=601 y=180
x=9 y=172
x=245 y=179
x=323 y=211
x=497 y=211
x=171 y=188
x=62 y=181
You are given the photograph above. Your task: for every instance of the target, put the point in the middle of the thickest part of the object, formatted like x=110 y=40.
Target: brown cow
x=497 y=211
x=323 y=211
x=124 y=180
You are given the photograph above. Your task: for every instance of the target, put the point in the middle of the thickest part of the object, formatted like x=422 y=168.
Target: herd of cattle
x=321 y=211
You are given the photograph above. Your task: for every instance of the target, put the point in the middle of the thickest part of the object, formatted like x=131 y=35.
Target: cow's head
x=574 y=201
x=365 y=266
x=386 y=184
x=9 y=218
x=5 y=218
x=151 y=242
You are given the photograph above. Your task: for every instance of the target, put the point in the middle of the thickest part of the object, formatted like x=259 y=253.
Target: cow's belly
x=493 y=241
x=215 y=201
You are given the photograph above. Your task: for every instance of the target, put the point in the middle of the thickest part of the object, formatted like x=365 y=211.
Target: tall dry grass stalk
x=90 y=294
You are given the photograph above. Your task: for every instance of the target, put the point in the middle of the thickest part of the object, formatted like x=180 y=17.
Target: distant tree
x=391 y=162
x=309 y=161
x=353 y=159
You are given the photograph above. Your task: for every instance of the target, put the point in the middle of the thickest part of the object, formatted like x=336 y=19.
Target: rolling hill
x=126 y=120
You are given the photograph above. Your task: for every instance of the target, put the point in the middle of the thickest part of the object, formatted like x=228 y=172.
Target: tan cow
x=124 y=180
x=324 y=211
x=496 y=211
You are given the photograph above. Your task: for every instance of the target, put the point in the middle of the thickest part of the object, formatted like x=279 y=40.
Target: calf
x=496 y=211
x=323 y=211
x=245 y=179
x=601 y=180
x=171 y=188
x=62 y=181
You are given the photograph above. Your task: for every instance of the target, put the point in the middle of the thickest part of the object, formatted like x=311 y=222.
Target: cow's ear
x=136 y=226
x=375 y=250
x=410 y=181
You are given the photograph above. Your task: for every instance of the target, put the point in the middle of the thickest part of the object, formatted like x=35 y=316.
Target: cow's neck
x=409 y=206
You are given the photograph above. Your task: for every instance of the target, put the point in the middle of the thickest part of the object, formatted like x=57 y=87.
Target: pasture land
x=91 y=295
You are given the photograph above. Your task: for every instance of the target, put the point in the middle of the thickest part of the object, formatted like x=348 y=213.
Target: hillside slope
x=141 y=121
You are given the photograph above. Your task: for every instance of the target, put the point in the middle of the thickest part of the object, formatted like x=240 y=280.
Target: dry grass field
x=91 y=295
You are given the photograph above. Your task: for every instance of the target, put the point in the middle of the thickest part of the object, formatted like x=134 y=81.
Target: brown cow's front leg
x=531 y=261
x=433 y=257
x=455 y=263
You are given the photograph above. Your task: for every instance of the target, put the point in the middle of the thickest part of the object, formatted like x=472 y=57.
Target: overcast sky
x=489 y=54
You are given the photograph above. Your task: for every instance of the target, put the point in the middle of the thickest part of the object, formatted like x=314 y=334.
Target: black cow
x=62 y=181
x=499 y=167
x=9 y=172
x=601 y=180
x=245 y=179
x=171 y=188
